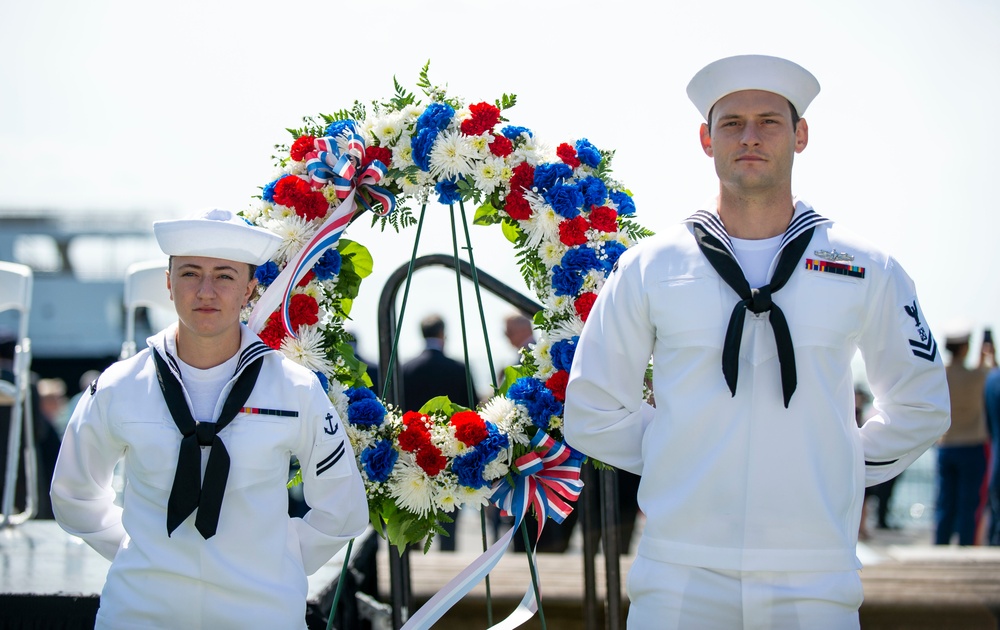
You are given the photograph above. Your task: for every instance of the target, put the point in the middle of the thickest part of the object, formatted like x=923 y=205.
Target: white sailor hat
x=957 y=331
x=752 y=72
x=216 y=234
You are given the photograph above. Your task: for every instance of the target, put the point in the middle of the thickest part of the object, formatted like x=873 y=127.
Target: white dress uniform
x=252 y=574
x=738 y=482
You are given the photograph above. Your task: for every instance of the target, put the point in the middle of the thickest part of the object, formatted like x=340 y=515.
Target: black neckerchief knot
x=756 y=301
x=188 y=493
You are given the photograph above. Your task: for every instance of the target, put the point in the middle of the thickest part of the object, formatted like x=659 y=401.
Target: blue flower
x=624 y=202
x=588 y=153
x=268 y=193
x=513 y=132
x=378 y=460
x=494 y=442
x=328 y=265
x=565 y=199
x=546 y=175
x=447 y=191
x=594 y=192
x=612 y=252
x=437 y=116
x=422 y=142
x=581 y=259
x=336 y=128
x=354 y=394
x=368 y=412
x=468 y=467
x=566 y=281
x=266 y=273
x=537 y=398
x=562 y=353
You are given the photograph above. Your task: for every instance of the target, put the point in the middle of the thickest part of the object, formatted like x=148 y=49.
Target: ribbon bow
x=327 y=164
x=547 y=478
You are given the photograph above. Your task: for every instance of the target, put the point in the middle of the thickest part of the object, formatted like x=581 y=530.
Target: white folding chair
x=15 y=294
x=145 y=286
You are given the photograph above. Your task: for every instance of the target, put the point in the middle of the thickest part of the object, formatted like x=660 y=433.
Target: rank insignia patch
x=925 y=347
x=834 y=267
x=328 y=462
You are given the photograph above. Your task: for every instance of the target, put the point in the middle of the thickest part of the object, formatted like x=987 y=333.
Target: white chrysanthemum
x=543 y=224
x=593 y=280
x=417 y=185
x=552 y=252
x=475 y=497
x=296 y=168
x=448 y=496
x=559 y=304
x=308 y=350
x=402 y=152
x=452 y=155
x=338 y=398
x=411 y=113
x=412 y=488
x=294 y=231
x=497 y=468
x=481 y=144
x=541 y=352
x=388 y=128
x=566 y=329
x=507 y=416
x=488 y=174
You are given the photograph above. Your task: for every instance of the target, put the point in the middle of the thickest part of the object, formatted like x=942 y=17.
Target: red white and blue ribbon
x=547 y=478
x=325 y=165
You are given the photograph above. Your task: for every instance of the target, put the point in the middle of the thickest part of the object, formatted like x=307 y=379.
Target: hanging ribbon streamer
x=327 y=165
x=548 y=478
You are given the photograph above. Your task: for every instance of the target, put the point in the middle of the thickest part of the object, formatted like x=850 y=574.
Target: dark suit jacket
x=434 y=374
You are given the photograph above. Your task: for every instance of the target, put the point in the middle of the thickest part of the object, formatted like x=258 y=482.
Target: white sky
x=169 y=108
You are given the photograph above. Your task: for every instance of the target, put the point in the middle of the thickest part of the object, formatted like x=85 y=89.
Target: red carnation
x=523 y=178
x=414 y=437
x=306 y=279
x=302 y=146
x=604 y=219
x=414 y=418
x=431 y=460
x=557 y=384
x=583 y=304
x=517 y=206
x=470 y=429
x=484 y=117
x=303 y=310
x=501 y=146
x=567 y=154
x=381 y=154
x=274 y=332
x=293 y=192
x=573 y=231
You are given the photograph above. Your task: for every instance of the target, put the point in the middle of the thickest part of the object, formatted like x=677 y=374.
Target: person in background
x=961 y=452
x=52 y=401
x=45 y=434
x=431 y=374
x=86 y=379
x=991 y=397
x=206 y=420
x=753 y=475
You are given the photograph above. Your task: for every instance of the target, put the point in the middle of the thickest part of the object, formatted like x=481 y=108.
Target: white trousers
x=666 y=596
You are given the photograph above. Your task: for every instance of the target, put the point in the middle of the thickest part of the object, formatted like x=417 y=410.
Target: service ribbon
x=547 y=478
x=327 y=164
